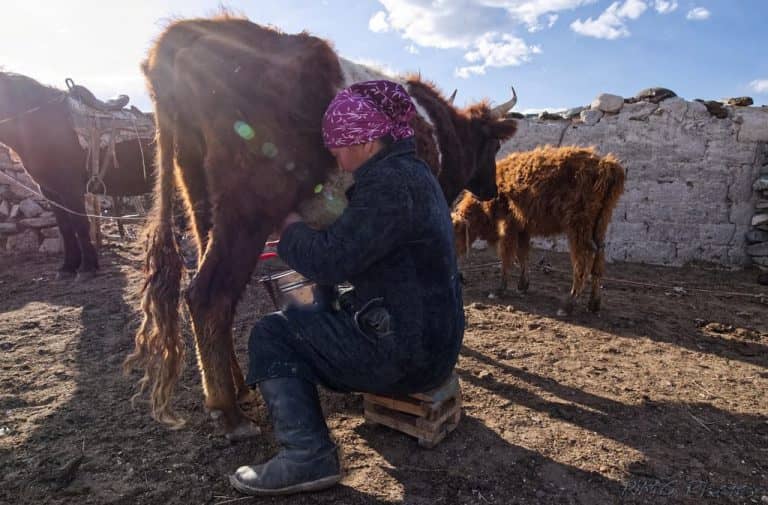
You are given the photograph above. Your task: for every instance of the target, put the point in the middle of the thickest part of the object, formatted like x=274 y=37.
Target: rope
x=141 y=149
x=474 y=268
x=66 y=209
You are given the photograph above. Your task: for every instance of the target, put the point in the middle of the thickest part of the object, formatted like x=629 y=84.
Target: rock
x=8 y=228
x=14 y=212
x=51 y=246
x=760 y=249
x=30 y=208
x=762 y=204
x=5 y=209
x=50 y=232
x=716 y=109
x=591 y=117
x=759 y=219
x=740 y=101
x=548 y=116
x=21 y=192
x=675 y=107
x=26 y=241
x=574 y=112
x=763 y=280
x=760 y=260
x=480 y=245
x=484 y=374
x=608 y=103
x=754 y=125
x=38 y=222
x=697 y=110
x=761 y=184
x=638 y=110
x=756 y=236
x=655 y=95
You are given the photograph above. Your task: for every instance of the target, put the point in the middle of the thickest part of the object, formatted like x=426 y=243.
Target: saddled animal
x=36 y=122
x=239 y=109
x=544 y=192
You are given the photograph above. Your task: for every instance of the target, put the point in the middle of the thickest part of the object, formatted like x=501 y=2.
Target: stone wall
x=26 y=221
x=692 y=191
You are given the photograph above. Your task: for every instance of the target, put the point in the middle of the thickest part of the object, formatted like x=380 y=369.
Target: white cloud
x=378 y=22
x=376 y=65
x=474 y=26
x=664 y=6
x=496 y=50
x=411 y=48
x=759 y=85
x=528 y=12
x=610 y=24
x=552 y=20
x=698 y=14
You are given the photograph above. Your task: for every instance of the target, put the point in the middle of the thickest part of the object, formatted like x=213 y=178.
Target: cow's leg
x=523 y=249
x=72 y=257
x=598 y=270
x=580 y=259
x=232 y=252
x=507 y=250
x=118 y=208
x=195 y=197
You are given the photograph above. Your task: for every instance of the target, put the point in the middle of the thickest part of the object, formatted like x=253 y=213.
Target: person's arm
x=374 y=223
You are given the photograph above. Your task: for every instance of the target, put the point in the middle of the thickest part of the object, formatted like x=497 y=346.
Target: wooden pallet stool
x=427 y=416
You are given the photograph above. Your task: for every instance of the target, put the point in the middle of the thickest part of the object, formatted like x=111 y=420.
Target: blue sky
x=557 y=53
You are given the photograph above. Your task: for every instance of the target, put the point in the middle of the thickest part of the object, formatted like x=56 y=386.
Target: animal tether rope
x=66 y=209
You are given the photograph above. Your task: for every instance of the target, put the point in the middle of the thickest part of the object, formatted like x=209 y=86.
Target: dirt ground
x=659 y=399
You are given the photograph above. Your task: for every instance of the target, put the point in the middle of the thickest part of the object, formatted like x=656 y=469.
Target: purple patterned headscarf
x=367 y=111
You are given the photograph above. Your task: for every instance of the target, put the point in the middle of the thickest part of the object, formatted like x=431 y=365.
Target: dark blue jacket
x=394 y=241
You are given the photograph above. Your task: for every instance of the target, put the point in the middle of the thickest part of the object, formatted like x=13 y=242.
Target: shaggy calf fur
x=545 y=192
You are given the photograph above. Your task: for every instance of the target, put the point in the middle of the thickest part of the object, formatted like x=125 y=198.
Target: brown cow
x=545 y=192
x=238 y=110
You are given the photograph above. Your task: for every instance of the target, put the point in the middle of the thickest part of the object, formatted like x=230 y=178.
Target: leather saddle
x=84 y=95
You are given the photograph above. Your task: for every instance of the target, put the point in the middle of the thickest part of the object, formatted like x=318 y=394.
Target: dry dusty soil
x=659 y=399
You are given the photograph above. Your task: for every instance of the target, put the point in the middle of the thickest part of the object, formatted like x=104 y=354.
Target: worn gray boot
x=307 y=460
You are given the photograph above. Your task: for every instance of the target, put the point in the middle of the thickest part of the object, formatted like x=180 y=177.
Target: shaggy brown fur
x=545 y=192
x=238 y=110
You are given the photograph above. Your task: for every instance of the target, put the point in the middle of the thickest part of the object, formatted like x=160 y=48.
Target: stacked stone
x=26 y=221
x=757 y=237
x=691 y=166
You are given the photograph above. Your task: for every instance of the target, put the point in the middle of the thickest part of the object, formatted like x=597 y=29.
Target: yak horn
x=500 y=111
x=452 y=97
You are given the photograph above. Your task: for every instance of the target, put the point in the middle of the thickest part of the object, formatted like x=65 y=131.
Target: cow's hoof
x=243 y=430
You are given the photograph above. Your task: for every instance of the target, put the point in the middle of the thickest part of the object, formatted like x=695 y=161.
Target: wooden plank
x=416 y=408
x=396 y=421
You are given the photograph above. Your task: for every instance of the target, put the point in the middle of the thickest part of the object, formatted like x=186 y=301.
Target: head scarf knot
x=367 y=111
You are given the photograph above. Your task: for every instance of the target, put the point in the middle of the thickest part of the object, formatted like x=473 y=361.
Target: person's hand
x=291 y=218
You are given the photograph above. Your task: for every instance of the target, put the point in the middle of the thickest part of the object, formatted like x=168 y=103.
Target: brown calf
x=545 y=192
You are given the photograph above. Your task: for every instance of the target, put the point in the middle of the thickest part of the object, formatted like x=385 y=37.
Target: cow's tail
x=609 y=185
x=159 y=349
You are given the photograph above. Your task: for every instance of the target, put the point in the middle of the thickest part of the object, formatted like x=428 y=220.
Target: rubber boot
x=308 y=459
